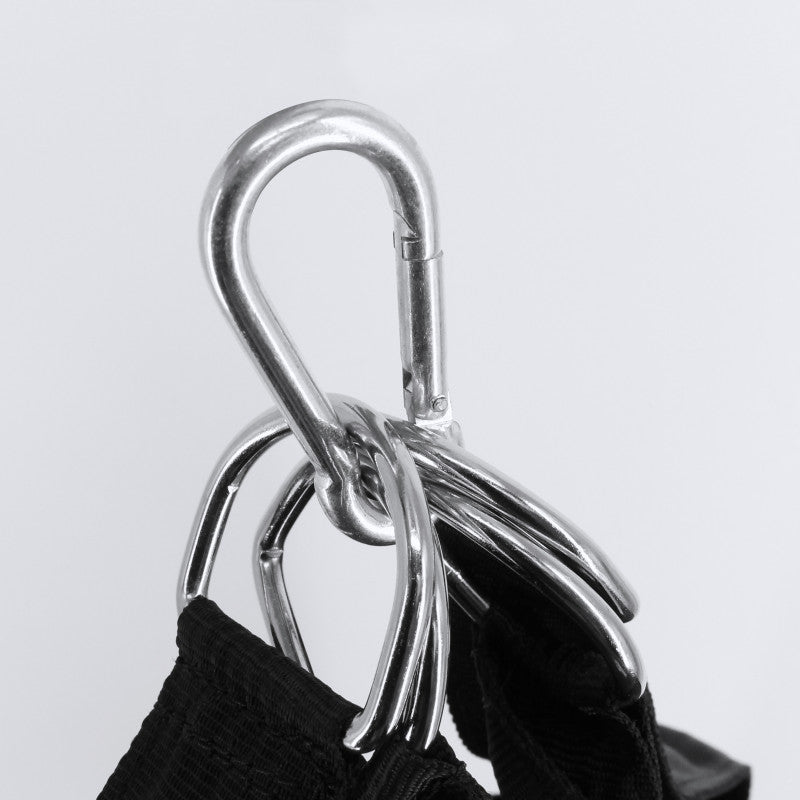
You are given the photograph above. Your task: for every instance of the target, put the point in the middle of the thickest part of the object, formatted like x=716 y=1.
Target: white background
x=620 y=203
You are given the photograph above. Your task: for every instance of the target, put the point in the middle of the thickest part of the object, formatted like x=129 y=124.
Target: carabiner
x=250 y=164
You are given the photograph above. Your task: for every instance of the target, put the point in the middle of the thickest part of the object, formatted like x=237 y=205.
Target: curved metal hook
x=218 y=496
x=539 y=562
x=507 y=545
x=402 y=655
x=444 y=461
x=574 y=595
x=421 y=710
x=252 y=161
x=437 y=460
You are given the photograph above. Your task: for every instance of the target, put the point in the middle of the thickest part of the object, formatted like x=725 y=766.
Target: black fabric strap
x=528 y=691
x=236 y=720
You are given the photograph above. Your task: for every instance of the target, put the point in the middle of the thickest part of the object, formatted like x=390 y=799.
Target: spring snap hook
x=250 y=164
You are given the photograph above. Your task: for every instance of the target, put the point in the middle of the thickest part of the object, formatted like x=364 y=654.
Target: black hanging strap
x=528 y=691
x=236 y=720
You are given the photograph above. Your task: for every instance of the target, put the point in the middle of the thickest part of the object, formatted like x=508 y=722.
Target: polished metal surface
x=421 y=710
x=425 y=706
x=444 y=461
x=368 y=470
x=418 y=623
x=521 y=555
x=291 y=499
x=470 y=601
x=454 y=500
x=218 y=496
x=439 y=462
x=250 y=164
x=415 y=589
x=552 y=578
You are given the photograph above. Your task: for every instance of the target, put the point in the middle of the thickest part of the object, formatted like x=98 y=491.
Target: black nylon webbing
x=528 y=691
x=236 y=720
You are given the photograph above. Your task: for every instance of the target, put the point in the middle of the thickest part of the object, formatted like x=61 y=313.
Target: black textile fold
x=236 y=720
x=528 y=691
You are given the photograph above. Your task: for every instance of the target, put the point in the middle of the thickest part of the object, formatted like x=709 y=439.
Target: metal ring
x=437 y=460
x=514 y=547
x=250 y=164
x=419 y=709
x=443 y=460
x=511 y=548
x=417 y=573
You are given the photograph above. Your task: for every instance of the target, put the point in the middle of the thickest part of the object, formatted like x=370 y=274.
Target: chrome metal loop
x=402 y=655
x=573 y=595
x=525 y=558
x=487 y=522
x=217 y=501
x=444 y=461
x=419 y=710
x=542 y=570
x=250 y=164
x=439 y=461
x=424 y=711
